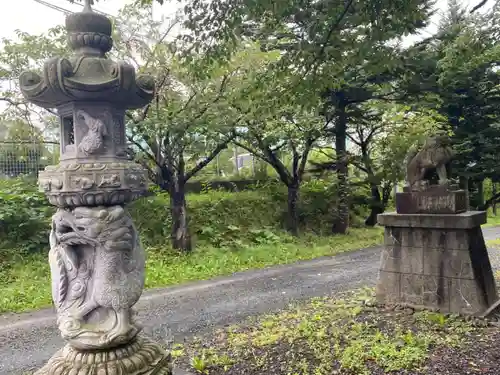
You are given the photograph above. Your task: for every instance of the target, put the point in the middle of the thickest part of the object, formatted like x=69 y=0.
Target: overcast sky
x=34 y=17
x=37 y=16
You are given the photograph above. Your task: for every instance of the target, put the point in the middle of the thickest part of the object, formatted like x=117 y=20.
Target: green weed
x=328 y=336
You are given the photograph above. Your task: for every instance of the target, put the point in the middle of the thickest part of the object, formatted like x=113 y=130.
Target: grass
x=25 y=285
x=495 y=242
x=347 y=335
x=493 y=221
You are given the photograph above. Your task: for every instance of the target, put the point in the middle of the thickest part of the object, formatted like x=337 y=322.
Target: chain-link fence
x=26 y=157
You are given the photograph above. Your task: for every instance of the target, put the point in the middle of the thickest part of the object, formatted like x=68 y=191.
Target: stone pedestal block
x=435 y=201
x=436 y=261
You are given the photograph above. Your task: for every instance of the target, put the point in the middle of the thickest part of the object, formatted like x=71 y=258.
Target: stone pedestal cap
x=464 y=220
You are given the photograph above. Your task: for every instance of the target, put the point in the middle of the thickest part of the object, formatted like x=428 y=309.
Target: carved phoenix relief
x=93 y=141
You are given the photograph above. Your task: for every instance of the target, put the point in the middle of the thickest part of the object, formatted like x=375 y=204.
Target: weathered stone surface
x=93 y=184
x=97 y=265
x=435 y=155
x=412 y=289
x=140 y=357
x=94 y=131
x=431 y=201
x=436 y=291
x=446 y=239
x=94 y=168
x=467 y=297
x=428 y=238
x=389 y=287
x=465 y=220
x=448 y=263
x=483 y=272
x=96 y=260
x=433 y=264
x=390 y=259
x=88 y=75
x=403 y=259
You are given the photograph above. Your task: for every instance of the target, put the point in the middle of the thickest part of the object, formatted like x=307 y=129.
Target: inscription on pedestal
x=431 y=202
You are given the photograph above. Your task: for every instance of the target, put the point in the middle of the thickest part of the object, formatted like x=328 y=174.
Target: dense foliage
x=24 y=215
x=220 y=219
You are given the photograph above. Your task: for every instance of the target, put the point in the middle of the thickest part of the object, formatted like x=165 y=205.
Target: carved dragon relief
x=435 y=155
x=97 y=266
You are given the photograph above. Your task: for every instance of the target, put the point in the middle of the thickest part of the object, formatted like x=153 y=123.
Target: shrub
x=219 y=218
x=24 y=215
x=223 y=218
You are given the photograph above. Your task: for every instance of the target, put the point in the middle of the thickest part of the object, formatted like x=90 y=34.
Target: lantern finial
x=87 y=5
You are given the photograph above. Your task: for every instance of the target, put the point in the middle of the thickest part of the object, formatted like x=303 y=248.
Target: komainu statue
x=95 y=252
x=435 y=156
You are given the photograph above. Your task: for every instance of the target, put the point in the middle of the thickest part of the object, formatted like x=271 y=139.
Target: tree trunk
x=163 y=179
x=376 y=206
x=464 y=184
x=293 y=214
x=493 y=193
x=235 y=155
x=476 y=197
x=341 y=223
x=480 y=193
x=180 y=237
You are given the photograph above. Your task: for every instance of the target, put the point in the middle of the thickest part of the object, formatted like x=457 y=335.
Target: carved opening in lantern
x=68 y=141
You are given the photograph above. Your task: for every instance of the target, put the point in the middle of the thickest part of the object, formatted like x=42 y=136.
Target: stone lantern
x=96 y=259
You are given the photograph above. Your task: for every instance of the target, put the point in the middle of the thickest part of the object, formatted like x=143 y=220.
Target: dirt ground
x=347 y=335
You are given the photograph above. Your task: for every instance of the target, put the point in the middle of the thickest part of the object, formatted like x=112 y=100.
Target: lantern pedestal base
x=141 y=357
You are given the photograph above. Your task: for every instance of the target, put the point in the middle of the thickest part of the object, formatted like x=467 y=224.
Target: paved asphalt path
x=27 y=341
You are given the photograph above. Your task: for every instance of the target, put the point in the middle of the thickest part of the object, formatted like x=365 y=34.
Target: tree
x=456 y=73
x=342 y=106
x=471 y=101
x=324 y=47
x=190 y=121
x=272 y=124
x=382 y=141
x=184 y=126
x=290 y=131
x=363 y=131
x=29 y=52
x=381 y=133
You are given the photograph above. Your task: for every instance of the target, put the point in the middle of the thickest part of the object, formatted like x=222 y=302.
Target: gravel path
x=28 y=340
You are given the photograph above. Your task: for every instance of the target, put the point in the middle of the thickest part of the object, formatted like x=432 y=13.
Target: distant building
x=243 y=161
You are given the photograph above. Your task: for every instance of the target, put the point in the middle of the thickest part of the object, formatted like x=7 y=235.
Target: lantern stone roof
x=87 y=75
